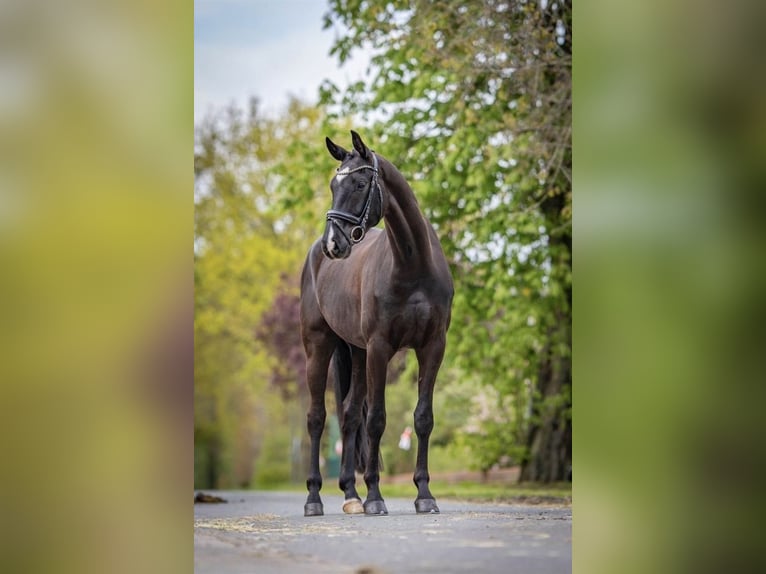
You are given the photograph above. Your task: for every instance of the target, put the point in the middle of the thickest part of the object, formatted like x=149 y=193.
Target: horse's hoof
x=375 y=507
x=313 y=509
x=426 y=506
x=353 y=506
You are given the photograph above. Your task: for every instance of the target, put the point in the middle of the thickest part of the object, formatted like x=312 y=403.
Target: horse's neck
x=406 y=227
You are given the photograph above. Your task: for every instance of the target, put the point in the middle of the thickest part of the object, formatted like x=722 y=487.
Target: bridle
x=359 y=222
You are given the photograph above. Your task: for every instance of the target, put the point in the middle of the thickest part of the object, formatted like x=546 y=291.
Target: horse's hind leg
x=354 y=452
x=318 y=353
x=429 y=361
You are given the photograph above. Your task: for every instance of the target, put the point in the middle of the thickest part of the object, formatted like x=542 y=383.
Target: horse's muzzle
x=335 y=253
x=335 y=245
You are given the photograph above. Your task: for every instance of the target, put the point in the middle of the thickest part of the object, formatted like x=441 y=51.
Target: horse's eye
x=361 y=185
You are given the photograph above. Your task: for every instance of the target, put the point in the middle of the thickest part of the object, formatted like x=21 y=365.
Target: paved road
x=266 y=533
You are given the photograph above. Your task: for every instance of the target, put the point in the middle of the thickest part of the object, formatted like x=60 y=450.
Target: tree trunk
x=549 y=438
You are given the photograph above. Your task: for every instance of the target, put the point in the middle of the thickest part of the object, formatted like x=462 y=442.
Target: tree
x=474 y=105
x=280 y=331
x=246 y=251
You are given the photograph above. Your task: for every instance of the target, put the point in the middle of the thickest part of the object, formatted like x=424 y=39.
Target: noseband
x=359 y=222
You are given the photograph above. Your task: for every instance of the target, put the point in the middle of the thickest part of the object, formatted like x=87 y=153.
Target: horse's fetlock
x=421 y=476
x=314 y=481
x=346 y=479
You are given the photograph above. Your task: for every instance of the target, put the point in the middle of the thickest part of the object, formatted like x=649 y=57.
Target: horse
x=365 y=294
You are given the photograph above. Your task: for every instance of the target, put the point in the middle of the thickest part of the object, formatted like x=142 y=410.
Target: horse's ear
x=359 y=145
x=335 y=150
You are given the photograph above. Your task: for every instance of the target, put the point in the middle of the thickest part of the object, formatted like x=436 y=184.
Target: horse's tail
x=341 y=366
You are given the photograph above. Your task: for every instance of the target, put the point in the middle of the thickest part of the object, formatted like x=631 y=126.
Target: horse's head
x=357 y=199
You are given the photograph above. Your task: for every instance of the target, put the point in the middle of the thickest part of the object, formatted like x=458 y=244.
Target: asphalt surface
x=266 y=532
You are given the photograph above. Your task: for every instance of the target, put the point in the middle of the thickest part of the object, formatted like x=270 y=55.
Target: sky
x=265 y=48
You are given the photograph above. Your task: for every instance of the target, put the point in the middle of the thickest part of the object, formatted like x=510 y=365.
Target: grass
x=557 y=493
x=487 y=492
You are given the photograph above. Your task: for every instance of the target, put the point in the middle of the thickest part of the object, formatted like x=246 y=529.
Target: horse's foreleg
x=318 y=360
x=429 y=361
x=377 y=363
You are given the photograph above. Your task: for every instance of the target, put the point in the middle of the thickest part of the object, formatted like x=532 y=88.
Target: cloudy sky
x=264 y=48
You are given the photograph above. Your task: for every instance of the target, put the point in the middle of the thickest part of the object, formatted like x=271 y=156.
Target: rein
x=359 y=222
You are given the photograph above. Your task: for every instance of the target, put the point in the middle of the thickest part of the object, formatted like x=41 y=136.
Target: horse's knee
x=352 y=418
x=376 y=424
x=315 y=421
x=424 y=419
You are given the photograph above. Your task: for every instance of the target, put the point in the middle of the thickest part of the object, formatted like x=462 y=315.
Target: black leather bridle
x=359 y=222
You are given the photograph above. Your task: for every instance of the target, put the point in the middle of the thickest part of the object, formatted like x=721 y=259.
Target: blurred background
x=96 y=287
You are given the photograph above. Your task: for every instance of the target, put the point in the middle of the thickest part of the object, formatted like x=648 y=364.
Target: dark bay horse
x=365 y=294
